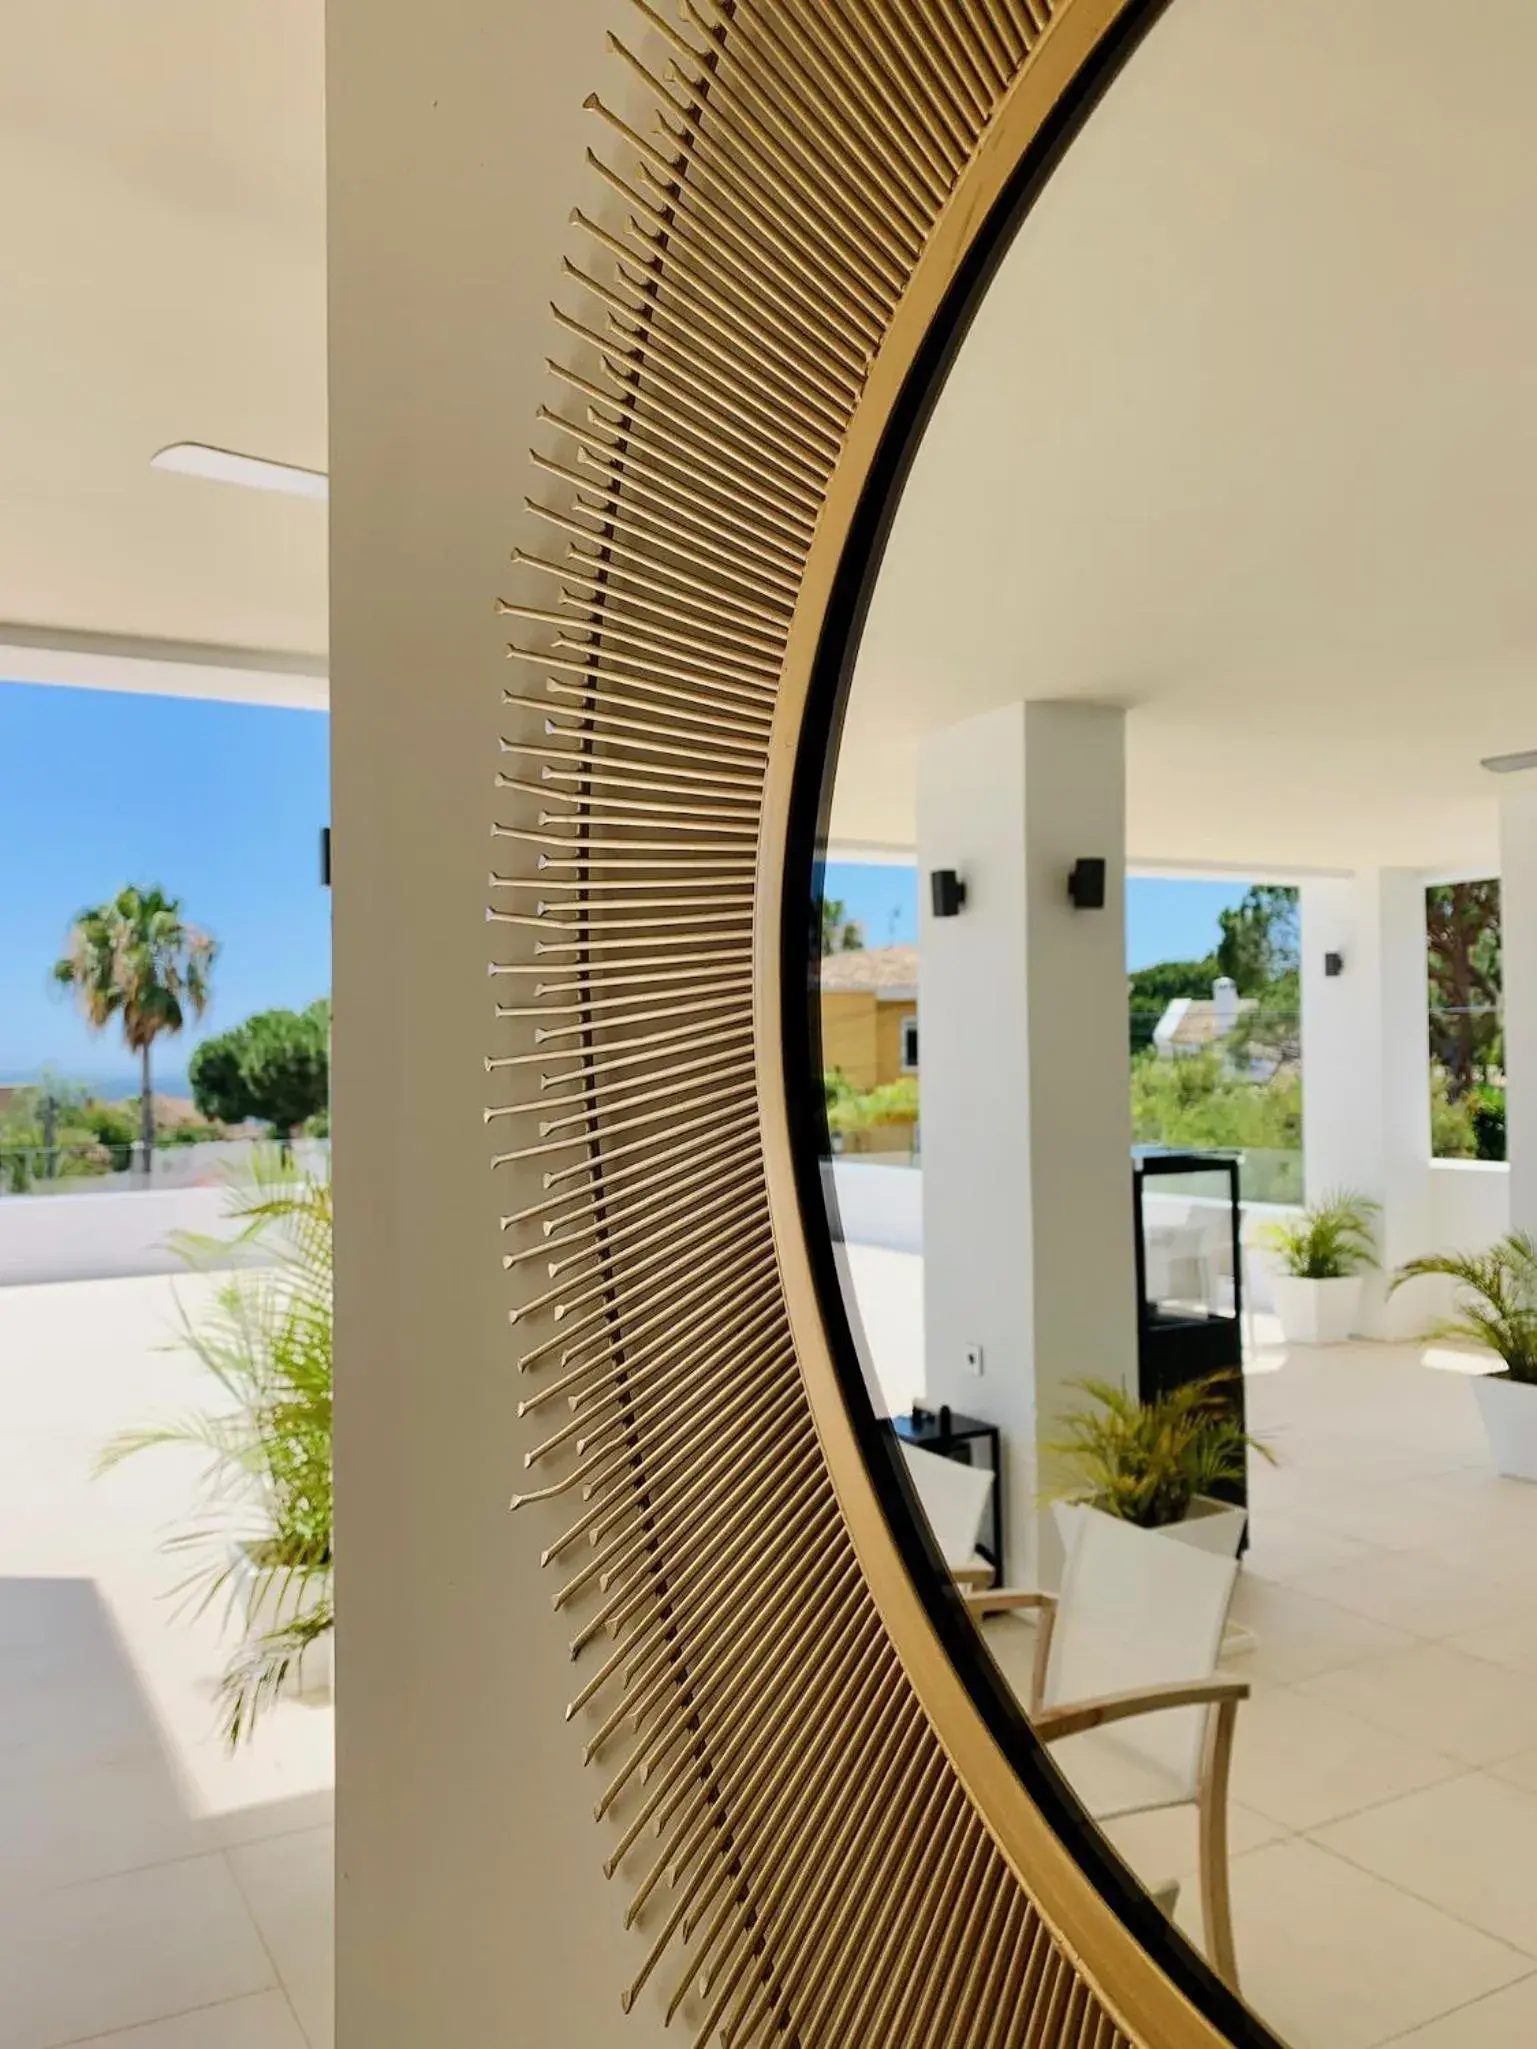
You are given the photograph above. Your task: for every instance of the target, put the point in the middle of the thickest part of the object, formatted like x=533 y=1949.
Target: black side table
x=952 y=1435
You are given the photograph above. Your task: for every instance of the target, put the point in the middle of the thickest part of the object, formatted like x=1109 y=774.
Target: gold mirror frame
x=830 y=1837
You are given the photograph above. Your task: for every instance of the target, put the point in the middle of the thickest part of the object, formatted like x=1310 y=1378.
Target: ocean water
x=110 y=1087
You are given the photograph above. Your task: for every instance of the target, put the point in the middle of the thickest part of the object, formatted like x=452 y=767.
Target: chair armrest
x=1052 y=1724
x=999 y=1600
x=968 y=1577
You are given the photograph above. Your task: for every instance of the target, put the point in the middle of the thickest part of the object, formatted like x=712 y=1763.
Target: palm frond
x=1333 y=1238
x=254 y=1677
x=1144 y=1462
x=265 y=1496
x=1495 y=1300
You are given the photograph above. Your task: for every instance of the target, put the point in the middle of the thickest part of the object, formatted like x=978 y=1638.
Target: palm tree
x=135 y=958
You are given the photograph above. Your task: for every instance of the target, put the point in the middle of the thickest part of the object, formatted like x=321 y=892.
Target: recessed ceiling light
x=224 y=466
x=1509 y=764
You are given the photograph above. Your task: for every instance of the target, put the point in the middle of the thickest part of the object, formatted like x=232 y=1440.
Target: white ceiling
x=1245 y=438
x=164 y=280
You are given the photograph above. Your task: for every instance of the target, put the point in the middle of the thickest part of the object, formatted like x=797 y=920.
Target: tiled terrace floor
x=154 y=1892
x=1385 y=1782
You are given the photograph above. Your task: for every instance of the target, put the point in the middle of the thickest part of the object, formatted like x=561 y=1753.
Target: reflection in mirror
x=1160 y=1011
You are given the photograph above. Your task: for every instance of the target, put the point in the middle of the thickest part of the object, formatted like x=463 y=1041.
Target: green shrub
x=1196 y=1100
x=893 y=1102
x=1488 y=1103
x=1452 y=1132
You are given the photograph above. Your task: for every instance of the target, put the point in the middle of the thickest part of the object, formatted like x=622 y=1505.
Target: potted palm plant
x=1495 y=1310
x=262 y=1539
x=1322 y=1256
x=1157 y=1464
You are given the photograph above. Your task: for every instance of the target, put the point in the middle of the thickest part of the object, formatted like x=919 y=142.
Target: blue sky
x=1164 y=920
x=220 y=804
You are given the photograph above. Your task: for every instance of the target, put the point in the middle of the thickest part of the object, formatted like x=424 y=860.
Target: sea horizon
x=105 y=1085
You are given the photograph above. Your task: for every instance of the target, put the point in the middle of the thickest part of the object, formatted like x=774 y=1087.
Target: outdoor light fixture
x=1086 y=884
x=948 y=892
x=1334 y=964
x=224 y=466
x=1509 y=764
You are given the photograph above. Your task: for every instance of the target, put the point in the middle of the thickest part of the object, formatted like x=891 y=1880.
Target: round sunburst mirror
x=1156 y=550
x=1013 y=457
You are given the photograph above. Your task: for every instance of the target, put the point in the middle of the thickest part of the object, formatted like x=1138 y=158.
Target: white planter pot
x=1509 y=1411
x=1316 y=1312
x=262 y=1606
x=1209 y=1525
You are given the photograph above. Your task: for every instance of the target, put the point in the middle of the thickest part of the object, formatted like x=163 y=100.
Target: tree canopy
x=1155 y=987
x=274 y=1067
x=840 y=932
x=1462 y=933
x=1260 y=946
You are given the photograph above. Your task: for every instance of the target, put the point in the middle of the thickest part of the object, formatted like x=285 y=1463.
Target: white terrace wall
x=98 y=1237
x=1468 y=1208
x=105 y=1228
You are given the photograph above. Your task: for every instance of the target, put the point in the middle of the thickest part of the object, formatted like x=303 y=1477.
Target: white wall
x=93 y=1237
x=1469 y=1204
x=1365 y=1070
x=1027 y=1229
x=471 y=1903
x=880 y=1208
x=879 y=1205
x=1518 y=969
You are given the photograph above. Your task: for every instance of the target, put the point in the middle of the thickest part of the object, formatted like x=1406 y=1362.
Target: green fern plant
x=1496 y=1302
x=1145 y=1462
x=262 y=1541
x=1330 y=1241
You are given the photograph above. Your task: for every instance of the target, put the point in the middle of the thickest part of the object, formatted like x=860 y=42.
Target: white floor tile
x=1503 y=2020
x=1301 y=1762
x=86 y=1959
x=1288 y=1549
x=1468 y=1846
x=1334 y=1958
x=1510 y=1639
x=1296 y=1635
x=287 y=1882
x=1162 y=1846
x=1436 y=1695
x=1415 y=1592
x=264 y=2021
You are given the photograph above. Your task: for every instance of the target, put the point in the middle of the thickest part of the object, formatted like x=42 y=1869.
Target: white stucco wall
x=879 y=1205
x=881 y=1208
x=101 y=1236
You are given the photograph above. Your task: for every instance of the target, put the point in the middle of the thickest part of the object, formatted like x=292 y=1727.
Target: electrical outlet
x=973 y=1358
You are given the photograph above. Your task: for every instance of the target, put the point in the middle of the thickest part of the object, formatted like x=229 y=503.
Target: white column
x=1366 y=1066
x=1026 y=1122
x=471 y=1904
x=1518 y=970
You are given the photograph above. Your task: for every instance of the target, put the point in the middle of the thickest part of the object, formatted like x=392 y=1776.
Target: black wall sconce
x=1086 y=884
x=947 y=892
x=1334 y=964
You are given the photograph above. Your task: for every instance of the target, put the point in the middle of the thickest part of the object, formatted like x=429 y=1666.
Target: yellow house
x=870 y=1014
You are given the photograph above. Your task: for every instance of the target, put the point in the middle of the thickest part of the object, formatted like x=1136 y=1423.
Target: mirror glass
x=1184 y=786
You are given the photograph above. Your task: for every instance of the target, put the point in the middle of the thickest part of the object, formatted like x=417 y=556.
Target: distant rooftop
x=1201 y=1022
x=883 y=970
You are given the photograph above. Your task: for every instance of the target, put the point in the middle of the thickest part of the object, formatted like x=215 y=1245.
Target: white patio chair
x=954 y=1496
x=1125 y=1688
